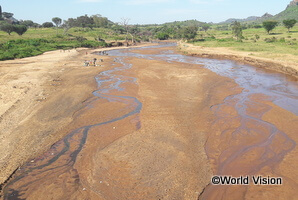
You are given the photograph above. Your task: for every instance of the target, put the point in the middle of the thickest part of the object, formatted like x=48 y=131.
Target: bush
x=269 y=40
x=257 y=26
x=282 y=39
x=80 y=38
x=162 y=36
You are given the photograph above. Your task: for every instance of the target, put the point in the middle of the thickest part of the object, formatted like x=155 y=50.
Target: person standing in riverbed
x=94 y=61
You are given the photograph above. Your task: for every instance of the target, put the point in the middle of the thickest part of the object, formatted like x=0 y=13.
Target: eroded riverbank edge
x=289 y=68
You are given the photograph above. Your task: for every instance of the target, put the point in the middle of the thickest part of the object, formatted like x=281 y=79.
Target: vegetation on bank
x=21 y=48
x=20 y=39
x=255 y=40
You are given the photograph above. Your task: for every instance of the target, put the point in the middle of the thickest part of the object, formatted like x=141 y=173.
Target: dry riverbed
x=168 y=149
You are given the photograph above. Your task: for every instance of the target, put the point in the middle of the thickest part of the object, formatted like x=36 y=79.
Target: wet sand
x=168 y=149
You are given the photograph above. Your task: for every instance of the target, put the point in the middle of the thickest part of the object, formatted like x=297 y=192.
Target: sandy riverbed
x=159 y=153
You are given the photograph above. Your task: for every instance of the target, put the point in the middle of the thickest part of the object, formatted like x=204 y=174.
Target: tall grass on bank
x=21 y=48
x=254 y=41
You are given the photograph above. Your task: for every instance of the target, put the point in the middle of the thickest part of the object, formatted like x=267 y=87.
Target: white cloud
x=142 y=2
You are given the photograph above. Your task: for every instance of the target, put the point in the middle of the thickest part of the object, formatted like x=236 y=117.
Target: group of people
x=91 y=62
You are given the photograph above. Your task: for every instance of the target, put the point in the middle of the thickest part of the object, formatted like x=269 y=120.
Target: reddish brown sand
x=160 y=152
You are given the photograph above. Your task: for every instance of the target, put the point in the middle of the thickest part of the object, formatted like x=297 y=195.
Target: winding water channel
x=237 y=129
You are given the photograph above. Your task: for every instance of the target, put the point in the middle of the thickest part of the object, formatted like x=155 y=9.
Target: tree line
x=175 y=30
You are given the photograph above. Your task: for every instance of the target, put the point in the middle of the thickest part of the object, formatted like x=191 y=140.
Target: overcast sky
x=143 y=11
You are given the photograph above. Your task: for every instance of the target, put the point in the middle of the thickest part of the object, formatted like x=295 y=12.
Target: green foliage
x=47 y=25
x=188 y=32
x=257 y=36
x=237 y=30
x=100 y=21
x=283 y=44
x=289 y=13
x=270 y=40
x=85 y=21
x=162 y=36
x=205 y=27
x=269 y=25
x=22 y=48
x=57 y=21
x=257 y=26
x=28 y=23
x=8 y=28
x=289 y=23
x=20 y=29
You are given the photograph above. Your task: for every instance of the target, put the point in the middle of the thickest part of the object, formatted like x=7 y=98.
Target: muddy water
x=236 y=134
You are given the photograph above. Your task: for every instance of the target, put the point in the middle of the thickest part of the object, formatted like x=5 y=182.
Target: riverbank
x=287 y=64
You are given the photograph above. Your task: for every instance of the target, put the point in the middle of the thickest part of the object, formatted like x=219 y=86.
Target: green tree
x=35 y=25
x=205 y=27
x=289 y=23
x=57 y=21
x=20 y=29
x=8 y=28
x=84 y=21
x=28 y=23
x=100 y=21
x=47 y=25
x=162 y=36
x=237 y=30
x=188 y=32
x=269 y=25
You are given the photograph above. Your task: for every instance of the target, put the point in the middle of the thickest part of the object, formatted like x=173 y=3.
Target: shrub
x=257 y=37
x=162 y=36
x=269 y=40
x=282 y=39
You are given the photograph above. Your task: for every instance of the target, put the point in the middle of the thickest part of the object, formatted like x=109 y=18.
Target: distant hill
x=248 y=19
x=291 y=12
x=185 y=23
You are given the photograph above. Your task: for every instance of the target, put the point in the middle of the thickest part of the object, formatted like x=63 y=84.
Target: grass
x=37 y=41
x=278 y=42
x=50 y=33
